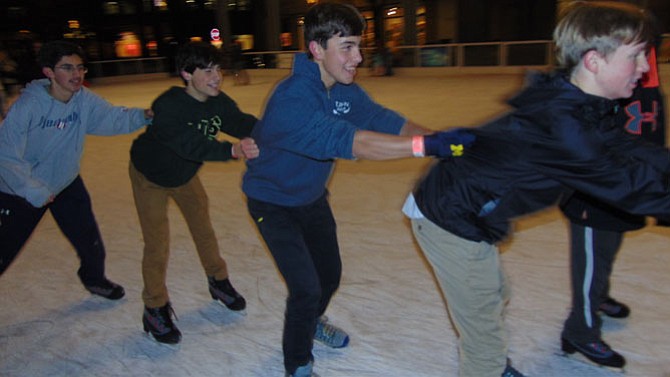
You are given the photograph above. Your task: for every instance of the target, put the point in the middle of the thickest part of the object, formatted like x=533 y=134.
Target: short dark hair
x=52 y=52
x=197 y=55
x=327 y=19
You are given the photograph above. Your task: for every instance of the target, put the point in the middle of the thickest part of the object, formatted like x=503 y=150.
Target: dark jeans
x=592 y=256
x=73 y=213
x=303 y=243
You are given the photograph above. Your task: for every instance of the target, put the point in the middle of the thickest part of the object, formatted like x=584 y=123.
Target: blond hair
x=602 y=26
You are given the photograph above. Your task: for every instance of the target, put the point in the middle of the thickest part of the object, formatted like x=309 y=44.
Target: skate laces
x=161 y=318
x=601 y=349
x=331 y=336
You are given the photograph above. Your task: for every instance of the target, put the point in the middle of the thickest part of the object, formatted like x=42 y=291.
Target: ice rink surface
x=388 y=300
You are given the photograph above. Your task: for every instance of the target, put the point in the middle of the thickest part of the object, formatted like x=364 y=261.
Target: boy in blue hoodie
x=41 y=143
x=313 y=117
x=562 y=137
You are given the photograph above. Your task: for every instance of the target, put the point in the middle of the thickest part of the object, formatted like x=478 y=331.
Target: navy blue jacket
x=304 y=128
x=642 y=115
x=558 y=140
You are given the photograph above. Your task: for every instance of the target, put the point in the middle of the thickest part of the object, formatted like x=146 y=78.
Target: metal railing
x=487 y=54
x=525 y=53
x=121 y=67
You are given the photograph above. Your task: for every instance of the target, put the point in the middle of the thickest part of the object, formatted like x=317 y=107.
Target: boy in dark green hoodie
x=164 y=164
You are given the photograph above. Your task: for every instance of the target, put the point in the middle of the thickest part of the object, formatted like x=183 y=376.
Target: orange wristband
x=417 y=146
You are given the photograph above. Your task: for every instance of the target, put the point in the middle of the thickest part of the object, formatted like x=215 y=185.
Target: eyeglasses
x=69 y=68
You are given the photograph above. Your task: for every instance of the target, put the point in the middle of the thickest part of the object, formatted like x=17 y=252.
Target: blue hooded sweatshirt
x=42 y=139
x=304 y=128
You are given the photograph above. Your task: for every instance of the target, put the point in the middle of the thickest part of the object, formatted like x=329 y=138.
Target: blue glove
x=447 y=143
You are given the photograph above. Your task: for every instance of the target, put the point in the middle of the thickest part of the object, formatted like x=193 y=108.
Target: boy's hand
x=447 y=143
x=246 y=148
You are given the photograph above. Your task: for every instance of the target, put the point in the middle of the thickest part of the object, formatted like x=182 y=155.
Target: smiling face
x=203 y=82
x=618 y=73
x=338 y=61
x=67 y=77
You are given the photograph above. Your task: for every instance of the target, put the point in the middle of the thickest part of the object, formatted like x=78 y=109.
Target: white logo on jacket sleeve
x=341 y=108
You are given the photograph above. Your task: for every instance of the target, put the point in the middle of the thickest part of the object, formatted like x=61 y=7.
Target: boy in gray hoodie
x=41 y=144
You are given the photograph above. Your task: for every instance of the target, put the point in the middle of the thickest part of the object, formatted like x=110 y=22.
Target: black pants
x=303 y=243
x=592 y=255
x=73 y=213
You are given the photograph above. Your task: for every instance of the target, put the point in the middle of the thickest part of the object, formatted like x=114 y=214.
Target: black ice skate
x=106 y=289
x=511 y=372
x=597 y=352
x=613 y=308
x=224 y=292
x=158 y=322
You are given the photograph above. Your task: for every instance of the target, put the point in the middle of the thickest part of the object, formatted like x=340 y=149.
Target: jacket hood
x=305 y=67
x=38 y=89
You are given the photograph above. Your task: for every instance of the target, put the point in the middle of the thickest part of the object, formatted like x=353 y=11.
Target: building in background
x=125 y=29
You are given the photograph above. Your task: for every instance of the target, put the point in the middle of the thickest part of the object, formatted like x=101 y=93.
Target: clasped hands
x=448 y=143
x=246 y=148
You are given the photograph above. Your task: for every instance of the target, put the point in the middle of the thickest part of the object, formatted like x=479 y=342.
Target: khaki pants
x=473 y=283
x=151 y=202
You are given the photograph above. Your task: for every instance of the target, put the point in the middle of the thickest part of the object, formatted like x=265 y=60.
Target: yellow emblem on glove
x=456 y=150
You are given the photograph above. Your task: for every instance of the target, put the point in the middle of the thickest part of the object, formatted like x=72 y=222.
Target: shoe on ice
x=598 y=352
x=224 y=292
x=511 y=372
x=331 y=336
x=613 y=308
x=106 y=289
x=158 y=322
x=303 y=371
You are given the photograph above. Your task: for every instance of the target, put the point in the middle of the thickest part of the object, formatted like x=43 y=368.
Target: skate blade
x=578 y=357
x=242 y=312
x=174 y=347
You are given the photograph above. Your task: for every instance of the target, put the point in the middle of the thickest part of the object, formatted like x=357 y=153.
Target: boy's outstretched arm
x=371 y=145
x=410 y=129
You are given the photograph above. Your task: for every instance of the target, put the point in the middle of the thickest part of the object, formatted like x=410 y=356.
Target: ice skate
x=158 y=323
x=304 y=371
x=598 y=353
x=614 y=309
x=106 y=289
x=511 y=372
x=329 y=335
x=223 y=291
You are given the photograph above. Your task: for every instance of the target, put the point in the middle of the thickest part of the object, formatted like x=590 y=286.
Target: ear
x=592 y=60
x=186 y=76
x=316 y=50
x=48 y=72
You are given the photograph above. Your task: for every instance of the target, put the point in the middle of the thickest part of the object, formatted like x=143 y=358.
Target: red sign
x=215 y=34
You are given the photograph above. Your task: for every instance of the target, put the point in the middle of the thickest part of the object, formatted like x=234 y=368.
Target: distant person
x=165 y=160
x=562 y=137
x=597 y=229
x=41 y=143
x=315 y=116
x=240 y=74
